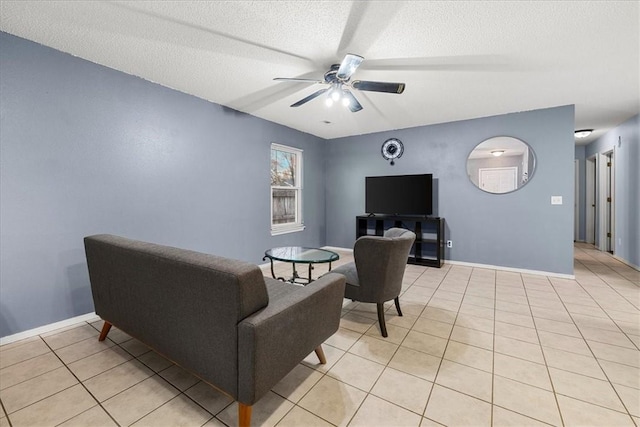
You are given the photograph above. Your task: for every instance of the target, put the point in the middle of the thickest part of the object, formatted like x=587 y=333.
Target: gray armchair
x=376 y=275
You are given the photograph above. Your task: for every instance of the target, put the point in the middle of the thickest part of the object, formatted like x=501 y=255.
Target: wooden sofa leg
x=105 y=330
x=397 y=301
x=244 y=415
x=383 y=326
x=321 y=356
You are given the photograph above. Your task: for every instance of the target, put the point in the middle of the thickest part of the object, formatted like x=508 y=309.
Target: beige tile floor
x=475 y=347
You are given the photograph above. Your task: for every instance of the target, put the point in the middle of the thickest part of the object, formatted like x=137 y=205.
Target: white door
x=601 y=202
x=576 y=204
x=498 y=180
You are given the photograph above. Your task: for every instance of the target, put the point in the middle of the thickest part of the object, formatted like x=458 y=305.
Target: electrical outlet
x=556 y=200
x=449 y=243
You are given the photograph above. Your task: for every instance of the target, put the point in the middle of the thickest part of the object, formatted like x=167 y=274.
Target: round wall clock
x=392 y=149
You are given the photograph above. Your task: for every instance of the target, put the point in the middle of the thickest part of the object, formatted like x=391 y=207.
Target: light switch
x=556 y=200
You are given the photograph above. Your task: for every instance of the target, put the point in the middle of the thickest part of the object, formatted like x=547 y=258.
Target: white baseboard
x=515 y=270
x=625 y=262
x=336 y=248
x=491 y=267
x=46 y=328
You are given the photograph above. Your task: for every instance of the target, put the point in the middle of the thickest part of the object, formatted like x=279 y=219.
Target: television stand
x=427 y=250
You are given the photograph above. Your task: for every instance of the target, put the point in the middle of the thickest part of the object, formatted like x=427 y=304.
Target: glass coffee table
x=299 y=255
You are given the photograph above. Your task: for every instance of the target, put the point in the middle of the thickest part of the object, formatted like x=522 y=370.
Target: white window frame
x=298 y=225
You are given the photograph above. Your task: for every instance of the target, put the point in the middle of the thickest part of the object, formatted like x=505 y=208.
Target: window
x=286 y=189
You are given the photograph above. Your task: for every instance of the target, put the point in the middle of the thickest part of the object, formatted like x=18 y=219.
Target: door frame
x=610 y=186
x=590 y=200
x=605 y=210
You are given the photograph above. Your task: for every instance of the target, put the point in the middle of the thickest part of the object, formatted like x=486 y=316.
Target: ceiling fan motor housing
x=330 y=76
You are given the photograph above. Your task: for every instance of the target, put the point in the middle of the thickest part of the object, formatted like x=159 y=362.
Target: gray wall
x=625 y=141
x=85 y=149
x=520 y=229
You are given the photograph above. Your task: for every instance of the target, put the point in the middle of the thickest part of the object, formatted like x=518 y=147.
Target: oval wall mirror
x=501 y=164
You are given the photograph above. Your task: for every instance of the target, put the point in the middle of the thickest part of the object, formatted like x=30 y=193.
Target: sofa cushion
x=350 y=272
x=277 y=289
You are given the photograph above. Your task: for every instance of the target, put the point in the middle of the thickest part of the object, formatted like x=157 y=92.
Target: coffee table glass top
x=301 y=254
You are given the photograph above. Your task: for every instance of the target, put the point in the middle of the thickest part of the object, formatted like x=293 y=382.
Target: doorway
x=600 y=201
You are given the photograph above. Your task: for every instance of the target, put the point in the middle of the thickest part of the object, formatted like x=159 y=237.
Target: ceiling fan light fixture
x=583 y=133
x=337 y=81
x=497 y=153
x=335 y=94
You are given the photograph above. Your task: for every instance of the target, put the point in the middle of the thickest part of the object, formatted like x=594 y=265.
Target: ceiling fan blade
x=201 y=37
x=310 y=97
x=367 y=20
x=348 y=66
x=387 y=87
x=443 y=63
x=354 y=105
x=294 y=79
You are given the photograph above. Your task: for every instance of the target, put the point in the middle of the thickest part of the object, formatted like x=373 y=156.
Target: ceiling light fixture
x=338 y=94
x=335 y=95
x=497 y=153
x=583 y=133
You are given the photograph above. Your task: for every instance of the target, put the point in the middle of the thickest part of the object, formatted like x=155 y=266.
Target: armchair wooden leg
x=397 y=301
x=321 y=356
x=244 y=415
x=105 y=330
x=383 y=326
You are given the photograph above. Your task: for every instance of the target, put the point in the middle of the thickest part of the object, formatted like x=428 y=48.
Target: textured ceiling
x=459 y=60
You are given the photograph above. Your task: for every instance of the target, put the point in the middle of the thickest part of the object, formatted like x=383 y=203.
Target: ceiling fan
x=338 y=78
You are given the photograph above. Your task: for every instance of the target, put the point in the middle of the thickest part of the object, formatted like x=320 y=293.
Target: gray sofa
x=218 y=318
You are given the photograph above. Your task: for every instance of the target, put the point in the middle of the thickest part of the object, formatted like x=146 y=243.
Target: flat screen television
x=399 y=194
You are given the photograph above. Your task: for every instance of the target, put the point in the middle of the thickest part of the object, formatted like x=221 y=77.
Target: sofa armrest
x=274 y=340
